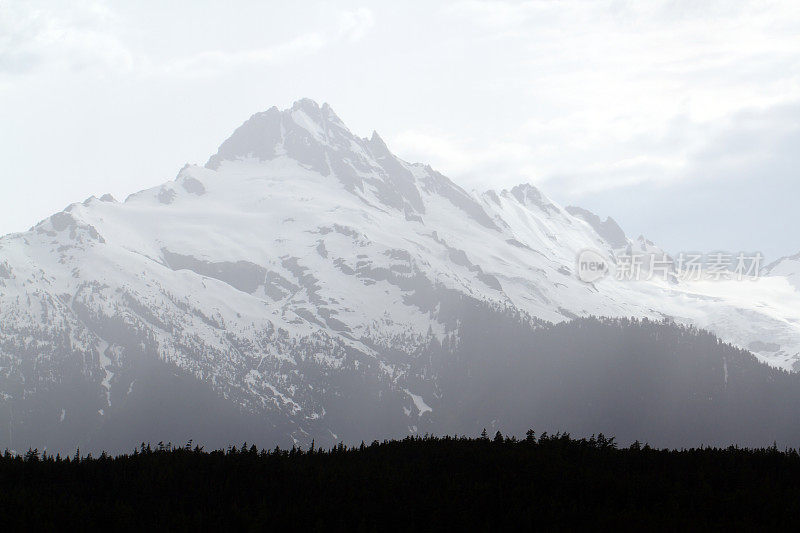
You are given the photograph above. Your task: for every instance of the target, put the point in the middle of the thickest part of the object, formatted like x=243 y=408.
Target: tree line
x=545 y=481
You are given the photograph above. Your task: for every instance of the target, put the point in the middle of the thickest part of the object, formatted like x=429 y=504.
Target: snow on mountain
x=787 y=267
x=301 y=259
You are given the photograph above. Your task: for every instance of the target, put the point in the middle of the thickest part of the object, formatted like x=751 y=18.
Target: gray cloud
x=738 y=191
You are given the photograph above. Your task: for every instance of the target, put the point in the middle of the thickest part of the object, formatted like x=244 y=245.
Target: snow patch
x=419 y=403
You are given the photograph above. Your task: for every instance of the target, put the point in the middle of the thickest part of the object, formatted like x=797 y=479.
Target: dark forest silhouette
x=550 y=481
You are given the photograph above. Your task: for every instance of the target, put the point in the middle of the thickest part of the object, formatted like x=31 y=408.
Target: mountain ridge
x=304 y=272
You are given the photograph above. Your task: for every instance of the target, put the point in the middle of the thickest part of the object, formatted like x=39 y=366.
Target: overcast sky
x=681 y=119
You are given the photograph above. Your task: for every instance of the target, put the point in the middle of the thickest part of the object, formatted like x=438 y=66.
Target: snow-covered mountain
x=786 y=267
x=299 y=276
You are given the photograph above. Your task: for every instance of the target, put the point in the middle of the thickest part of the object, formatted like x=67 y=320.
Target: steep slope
x=299 y=279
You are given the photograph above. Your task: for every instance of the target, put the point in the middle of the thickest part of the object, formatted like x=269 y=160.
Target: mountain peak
x=317 y=140
x=319 y=114
x=298 y=132
x=527 y=194
x=608 y=229
x=306 y=104
x=378 y=146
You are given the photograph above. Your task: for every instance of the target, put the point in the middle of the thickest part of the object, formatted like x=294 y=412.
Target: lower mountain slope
x=655 y=381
